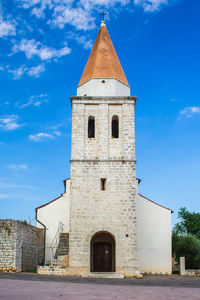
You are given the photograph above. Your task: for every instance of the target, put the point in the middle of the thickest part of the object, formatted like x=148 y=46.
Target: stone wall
x=7 y=244
x=21 y=246
x=193 y=272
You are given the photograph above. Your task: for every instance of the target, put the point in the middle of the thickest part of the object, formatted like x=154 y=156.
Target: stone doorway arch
x=102 y=252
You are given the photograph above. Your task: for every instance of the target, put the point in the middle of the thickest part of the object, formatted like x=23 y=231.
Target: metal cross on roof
x=103 y=15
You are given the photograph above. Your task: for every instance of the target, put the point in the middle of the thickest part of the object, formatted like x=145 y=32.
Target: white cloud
x=4 y=196
x=48 y=53
x=33 y=48
x=5 y=183
x=88 y=4
x=151 y=5
x=10 y=196
x=36 y=71
x=40 y=136
x=18 y=72
x=78 y=17
x=32 y=71
x=38 y=12
x=81 y=16
x=76 y=13
x=82 y=40
x=9 y=123
x=173 y=100
x=27 y=46
x=44 y=136
x=57 y=133
x=189 y=112
x=18 y=167
x=176 y=100
x=35 y=100
x=28 y=3
x=82 y=13
x=7 y=27
x=87 y=44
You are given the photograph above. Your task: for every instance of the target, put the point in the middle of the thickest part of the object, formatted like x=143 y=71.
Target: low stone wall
x=192 y=272
x=53 y=270
x=189 y=272
x=61 y=270
x=20 y=246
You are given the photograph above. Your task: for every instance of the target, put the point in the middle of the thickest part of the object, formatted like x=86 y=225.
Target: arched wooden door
x=103 y=253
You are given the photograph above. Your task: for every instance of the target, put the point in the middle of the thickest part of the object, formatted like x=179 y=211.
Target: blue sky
x=44 y=46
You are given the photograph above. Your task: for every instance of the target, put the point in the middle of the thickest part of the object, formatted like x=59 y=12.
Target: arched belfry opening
x=102 y=252
x=91 y=127
x=115 y=127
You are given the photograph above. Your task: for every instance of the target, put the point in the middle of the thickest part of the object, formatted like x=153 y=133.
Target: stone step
x=63 y=244
x=105 y=275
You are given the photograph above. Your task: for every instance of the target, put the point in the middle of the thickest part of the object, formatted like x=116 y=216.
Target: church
x=109 y=227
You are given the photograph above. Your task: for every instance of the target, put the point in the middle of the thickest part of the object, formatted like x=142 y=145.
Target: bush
x=188 y=246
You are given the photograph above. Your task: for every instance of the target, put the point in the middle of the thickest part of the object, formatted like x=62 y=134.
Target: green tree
x=189 y=247
x=189 y=224
x=186 y=238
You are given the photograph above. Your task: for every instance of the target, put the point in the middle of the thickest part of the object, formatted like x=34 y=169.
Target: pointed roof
x=103 y=61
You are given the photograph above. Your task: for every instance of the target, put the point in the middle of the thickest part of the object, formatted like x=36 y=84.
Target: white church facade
x=110 y=227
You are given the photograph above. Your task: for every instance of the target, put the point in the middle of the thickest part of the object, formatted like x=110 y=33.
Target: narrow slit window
x=91 y=127
x=103 y=184
x=115 y=127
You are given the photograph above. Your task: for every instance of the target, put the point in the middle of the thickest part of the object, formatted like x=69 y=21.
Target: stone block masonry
x=111 y=210
x=103 y=146
x=20 y=246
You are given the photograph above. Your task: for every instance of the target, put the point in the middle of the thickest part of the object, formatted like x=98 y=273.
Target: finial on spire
x=103 y=23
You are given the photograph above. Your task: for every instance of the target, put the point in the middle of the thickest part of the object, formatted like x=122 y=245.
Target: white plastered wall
x=51 y=215
x=154 y=237
x=103 y=87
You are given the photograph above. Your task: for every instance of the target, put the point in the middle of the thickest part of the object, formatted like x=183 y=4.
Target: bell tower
x=103 y=235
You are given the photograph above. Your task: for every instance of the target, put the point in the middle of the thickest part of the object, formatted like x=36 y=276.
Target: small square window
x=103 y=184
